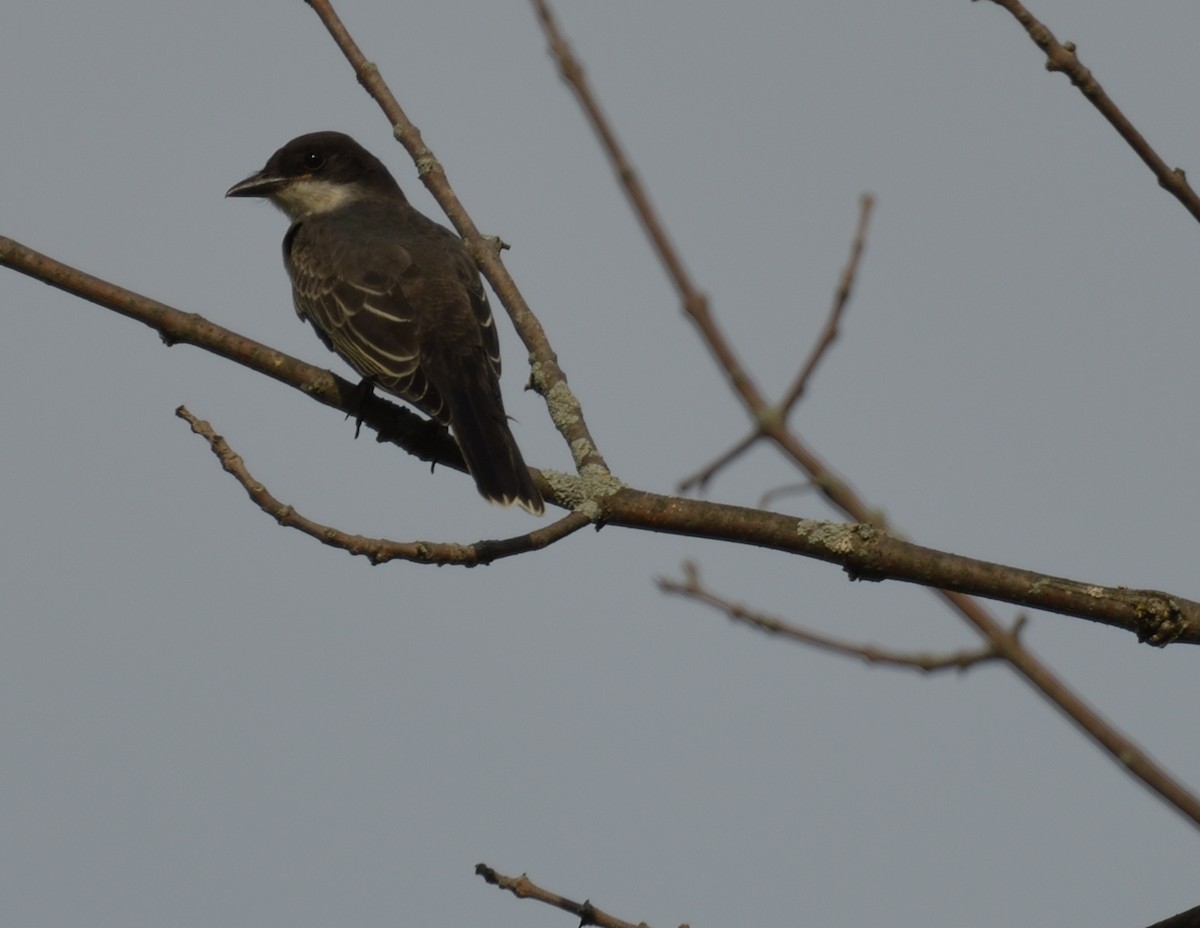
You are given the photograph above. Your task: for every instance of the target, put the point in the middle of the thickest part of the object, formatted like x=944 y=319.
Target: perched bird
x=397 y=296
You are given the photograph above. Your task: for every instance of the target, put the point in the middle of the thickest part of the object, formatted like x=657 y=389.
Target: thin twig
x=700 y=479
x=692 y=587
x=1061 y=57
x=829 y=333
x=695 y=304
x=377 y=550
x=524 y=888
x=841 y=299
x=788 y=489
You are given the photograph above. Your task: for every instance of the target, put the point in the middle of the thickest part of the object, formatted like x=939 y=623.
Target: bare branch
x=843 y=497
x=788 y=489
x=377 y=550
x=869 y=553
x=828 y=336
x=524 y=888
x=546 y=376
x=700 y=479
x=419 y=436
x=864 y=551
x=695 y=304
x=1062 y=57
x=693 y=588
x=1004 y=644
x=841 y=299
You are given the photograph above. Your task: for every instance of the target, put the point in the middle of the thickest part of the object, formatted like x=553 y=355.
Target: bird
x=397 y=296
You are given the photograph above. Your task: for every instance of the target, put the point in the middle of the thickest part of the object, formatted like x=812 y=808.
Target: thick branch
x=869 y=553
x=864 y=551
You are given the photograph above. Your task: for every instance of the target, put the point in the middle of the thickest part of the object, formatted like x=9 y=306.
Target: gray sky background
x=208 y=720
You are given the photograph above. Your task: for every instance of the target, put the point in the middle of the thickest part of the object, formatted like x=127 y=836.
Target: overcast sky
x=206 y=719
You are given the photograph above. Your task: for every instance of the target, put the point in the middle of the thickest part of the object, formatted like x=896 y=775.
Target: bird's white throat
x=311 y=196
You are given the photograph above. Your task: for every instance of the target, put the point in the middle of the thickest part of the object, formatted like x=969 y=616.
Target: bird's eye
x=314 y=161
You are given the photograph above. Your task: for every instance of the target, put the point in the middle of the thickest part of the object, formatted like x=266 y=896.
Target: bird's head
x=316 y=173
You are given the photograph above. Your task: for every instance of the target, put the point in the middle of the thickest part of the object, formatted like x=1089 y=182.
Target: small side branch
x=772 y=418
x=1061 y=56
x=377 y=550
x=841 y=299
x=692 y=588
x=524 y=888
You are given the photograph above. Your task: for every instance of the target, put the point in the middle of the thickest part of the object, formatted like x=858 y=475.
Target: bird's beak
x=261 y=184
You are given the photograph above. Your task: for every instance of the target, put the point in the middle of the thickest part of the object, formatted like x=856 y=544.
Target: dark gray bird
x=397 y=296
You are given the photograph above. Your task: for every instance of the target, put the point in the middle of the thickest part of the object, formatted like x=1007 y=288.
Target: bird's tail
x=481 y=429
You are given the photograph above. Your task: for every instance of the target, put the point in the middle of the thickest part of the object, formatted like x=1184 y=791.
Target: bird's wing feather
x=363 y=304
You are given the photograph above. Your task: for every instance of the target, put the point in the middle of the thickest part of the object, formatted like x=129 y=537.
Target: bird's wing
x=369 y=306
x=398 y=297
x=482 y=310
